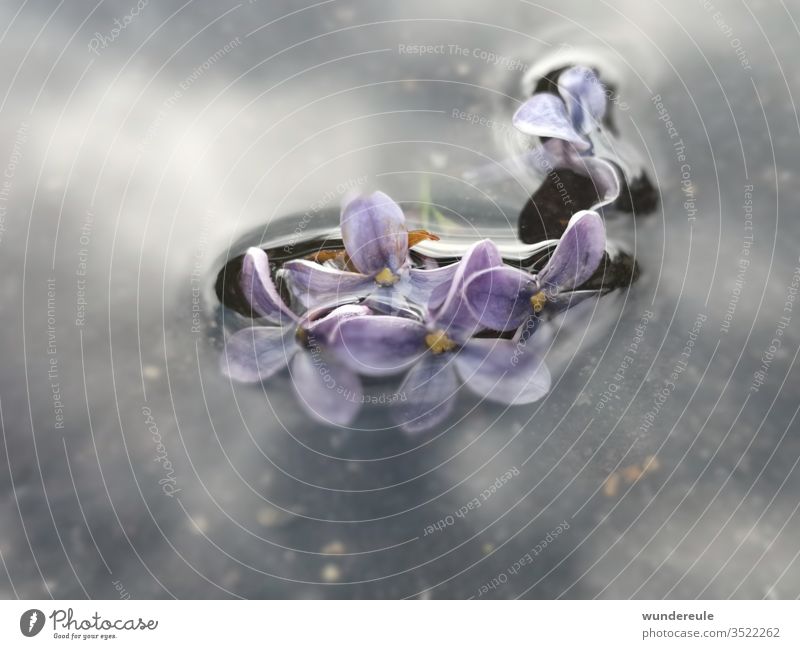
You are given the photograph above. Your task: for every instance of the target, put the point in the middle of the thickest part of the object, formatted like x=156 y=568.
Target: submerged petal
x=448 y=309
x=545 y=115
x=259 y=289
x=585 y=97
x=506 y=371
x=374 y=234
x=577 y=255
x=315 y=285
x=379 y=345
x=500 y=297
x=328 y=391
x=427 y=394
x=256 y=353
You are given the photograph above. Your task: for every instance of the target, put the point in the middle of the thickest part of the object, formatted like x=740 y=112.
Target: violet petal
x=313 y=284
x=386 y=301
x=449 y=311
x=545 y=115
x=422 y=281
x=427 y=394
x=322 y=329
x=584 y=97
x=328 y=391
x=379 y=345
x=505 y=371
x=577 y=255
x=500 y=297
x=260 y=291
x=256 y=353
x=374 y=233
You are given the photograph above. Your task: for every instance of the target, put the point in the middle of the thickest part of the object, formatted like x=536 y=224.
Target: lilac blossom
x=376 y=243
x=502 y=298
x=328 y=390
x=571 y=117
x=566 y=121
x=441 y=348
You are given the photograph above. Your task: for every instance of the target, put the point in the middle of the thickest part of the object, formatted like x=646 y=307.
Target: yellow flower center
x=438 y=342
x=538 y=301
x=386 y=277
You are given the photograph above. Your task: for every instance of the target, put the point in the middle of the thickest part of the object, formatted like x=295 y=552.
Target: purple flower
x=376 y=242
x=328 y=390
x=570 y=117
x=566 y=121
x=440 y=349
x=502 y=298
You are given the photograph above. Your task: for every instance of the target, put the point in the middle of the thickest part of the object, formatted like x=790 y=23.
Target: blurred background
x=143 y=144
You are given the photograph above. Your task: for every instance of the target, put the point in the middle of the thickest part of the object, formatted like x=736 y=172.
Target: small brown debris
x=331 y=573
x=334 y=547
x=631 y=473
x=611 y=487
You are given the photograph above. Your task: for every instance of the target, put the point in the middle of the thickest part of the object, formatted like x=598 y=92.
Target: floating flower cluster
x=370 y=311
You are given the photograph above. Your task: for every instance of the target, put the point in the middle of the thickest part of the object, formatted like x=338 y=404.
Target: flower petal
x=427 y=393
x=256 y=353
x=259 y=289
x=505 y=371
x=323 y=328
x=448 y=310
x=577 y=255
x=379 y=345
x=500 y=297
x=423 y=281
x=390 y=300
x=546 y=115
x=314 y=284
x=585 y=97
x=374 y=233
x=328 y=391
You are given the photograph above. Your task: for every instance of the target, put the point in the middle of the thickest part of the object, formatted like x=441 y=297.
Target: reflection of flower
x=501 y=298
x=325 y=387
x=441 y=348
x=376 y=243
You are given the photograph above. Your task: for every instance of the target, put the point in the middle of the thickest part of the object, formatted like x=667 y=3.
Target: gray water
x=132 y=172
